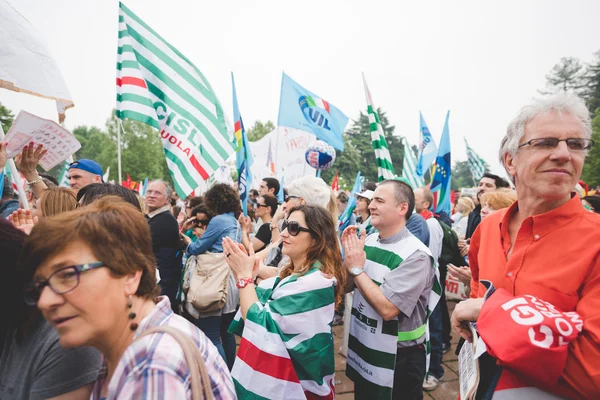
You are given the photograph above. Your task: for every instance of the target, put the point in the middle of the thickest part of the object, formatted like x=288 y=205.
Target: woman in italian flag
x=287 y=348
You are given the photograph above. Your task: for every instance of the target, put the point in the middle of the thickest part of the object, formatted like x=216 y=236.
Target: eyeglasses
x=290 y=197
x=293 y=227
x=261 y=205
x=574 y=144
x=61 y=281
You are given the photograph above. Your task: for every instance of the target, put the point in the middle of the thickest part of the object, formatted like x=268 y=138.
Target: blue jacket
x=212 y=240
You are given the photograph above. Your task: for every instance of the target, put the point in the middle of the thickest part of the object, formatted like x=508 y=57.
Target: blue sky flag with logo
x=301 y=109
x=243 y=155
x=440 y=184
x=427 y=148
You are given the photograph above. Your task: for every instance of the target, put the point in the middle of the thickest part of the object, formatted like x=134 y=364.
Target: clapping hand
x=354 y=253
x=245 y=223
x=242 y=264
x=23 y=220
x=462 y=274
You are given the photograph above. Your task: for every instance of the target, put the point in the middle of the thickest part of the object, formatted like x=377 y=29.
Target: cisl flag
x=159 y=86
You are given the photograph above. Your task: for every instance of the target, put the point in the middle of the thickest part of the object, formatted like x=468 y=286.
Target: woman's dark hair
x=94 y=191
x=326 y=249
x=16 y=313
x=194 y=202
x=176 y=210
x=222 y=199
x=270 y=201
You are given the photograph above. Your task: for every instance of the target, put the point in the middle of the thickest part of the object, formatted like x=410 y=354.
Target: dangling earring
x=132 y=315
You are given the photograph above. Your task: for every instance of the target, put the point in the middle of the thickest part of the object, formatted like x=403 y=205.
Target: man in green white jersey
x=396 y=280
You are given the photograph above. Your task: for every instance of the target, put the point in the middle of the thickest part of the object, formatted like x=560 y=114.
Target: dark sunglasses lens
x=293 y=228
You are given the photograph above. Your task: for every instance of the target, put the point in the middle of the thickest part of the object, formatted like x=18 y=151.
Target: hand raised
x=23 y=220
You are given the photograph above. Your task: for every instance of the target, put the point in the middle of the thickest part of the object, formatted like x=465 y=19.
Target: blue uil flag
x=301 y=109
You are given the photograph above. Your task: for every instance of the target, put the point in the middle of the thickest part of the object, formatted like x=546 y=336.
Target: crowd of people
x=114 y=295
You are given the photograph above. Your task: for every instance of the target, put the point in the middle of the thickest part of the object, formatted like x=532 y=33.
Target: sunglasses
x=257 y=205
x=293 y=227
x=290 y=197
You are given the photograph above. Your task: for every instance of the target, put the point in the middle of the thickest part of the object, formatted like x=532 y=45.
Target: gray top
x=37 y=367
x=408 y=287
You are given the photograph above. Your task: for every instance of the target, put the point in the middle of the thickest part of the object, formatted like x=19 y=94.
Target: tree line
x=142 y=154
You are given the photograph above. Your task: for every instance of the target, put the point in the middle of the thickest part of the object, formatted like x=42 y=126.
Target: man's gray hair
x=168 y=188
x=560 y=103
x=313 y=190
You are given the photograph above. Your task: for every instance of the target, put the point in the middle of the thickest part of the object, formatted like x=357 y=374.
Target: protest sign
x=28 y=128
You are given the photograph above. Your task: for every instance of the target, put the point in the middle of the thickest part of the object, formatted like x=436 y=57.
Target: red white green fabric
x=159 y=86
x=286 y=351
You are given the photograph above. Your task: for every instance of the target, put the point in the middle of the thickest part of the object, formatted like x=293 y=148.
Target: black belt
x=410 y=349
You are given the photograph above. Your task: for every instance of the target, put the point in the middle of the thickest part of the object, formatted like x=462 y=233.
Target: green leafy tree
x=259 y=130
x=6 y=118
x=591 y=85
x=591 y=168
x=142 y=153
x=461 y=175
x=359 y=135
x=566 y=76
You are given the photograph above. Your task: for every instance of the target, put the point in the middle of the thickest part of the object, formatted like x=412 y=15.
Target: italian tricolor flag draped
x=159 y=86
x=286 y=351
x=385 y=168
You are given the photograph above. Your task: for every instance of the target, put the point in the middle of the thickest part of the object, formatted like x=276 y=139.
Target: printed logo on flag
x=301 y=109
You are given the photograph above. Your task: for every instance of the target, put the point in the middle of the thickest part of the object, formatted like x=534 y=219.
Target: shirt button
x=510 y=274
x=536 y=237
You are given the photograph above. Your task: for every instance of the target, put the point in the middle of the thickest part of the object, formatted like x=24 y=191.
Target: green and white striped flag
x=63 y=177
x=385 y=168
x=409 y=167
x=159 y=86
x=476 y=163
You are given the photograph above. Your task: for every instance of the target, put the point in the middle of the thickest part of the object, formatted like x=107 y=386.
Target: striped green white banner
x=409 y=167
x=159 y=86
x=476 y=163
x=385 y=168
x=286 y=350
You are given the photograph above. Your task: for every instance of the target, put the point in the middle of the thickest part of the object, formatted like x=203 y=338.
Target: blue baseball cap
x=90 y=166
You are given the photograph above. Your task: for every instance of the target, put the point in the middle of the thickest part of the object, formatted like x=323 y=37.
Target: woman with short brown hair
x=92 y=274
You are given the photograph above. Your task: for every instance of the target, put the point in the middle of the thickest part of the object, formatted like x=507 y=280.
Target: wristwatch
x=242 y=283
x=356 y=270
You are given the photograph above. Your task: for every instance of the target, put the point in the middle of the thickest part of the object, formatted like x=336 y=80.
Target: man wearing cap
x=362 y=209
x=84 y=172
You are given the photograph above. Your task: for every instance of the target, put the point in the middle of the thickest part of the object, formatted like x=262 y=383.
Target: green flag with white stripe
x=476 y=163
x=409 y=167
x=385 y=168
x=159 y=86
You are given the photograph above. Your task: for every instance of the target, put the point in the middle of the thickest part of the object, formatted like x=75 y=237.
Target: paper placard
x=28 y=128
x=468 y=367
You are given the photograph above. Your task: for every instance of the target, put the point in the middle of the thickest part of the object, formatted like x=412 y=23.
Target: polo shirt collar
x=543 y=224
x=160 y=210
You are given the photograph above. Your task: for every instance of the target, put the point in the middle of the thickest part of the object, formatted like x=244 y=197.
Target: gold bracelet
x=33 y=182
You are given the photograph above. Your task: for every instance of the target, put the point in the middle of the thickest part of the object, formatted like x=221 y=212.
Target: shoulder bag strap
x=200 y=382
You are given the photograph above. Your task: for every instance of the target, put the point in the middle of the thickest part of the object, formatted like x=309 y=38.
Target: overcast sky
x=482 y=60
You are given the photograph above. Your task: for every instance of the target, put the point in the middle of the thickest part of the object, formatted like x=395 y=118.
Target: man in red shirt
x=542 y=255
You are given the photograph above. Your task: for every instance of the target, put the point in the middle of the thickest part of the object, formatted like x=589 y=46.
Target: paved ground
x=448 y=389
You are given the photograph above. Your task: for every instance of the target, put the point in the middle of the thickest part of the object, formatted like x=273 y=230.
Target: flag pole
x=15 y=175
x=120 y=127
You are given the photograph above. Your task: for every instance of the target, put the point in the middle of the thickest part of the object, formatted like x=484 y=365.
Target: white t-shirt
x=436 y=237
